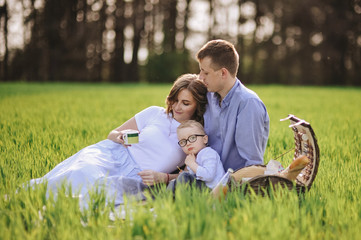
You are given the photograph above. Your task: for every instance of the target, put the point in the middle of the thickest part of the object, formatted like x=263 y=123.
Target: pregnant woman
x=122 y=169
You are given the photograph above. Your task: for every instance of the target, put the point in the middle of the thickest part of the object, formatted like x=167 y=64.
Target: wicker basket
x=305 y=144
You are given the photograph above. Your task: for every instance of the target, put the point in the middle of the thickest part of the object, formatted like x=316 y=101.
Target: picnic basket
x=305 y=144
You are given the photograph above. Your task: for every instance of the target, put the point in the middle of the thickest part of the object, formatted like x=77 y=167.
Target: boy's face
x=189 y=134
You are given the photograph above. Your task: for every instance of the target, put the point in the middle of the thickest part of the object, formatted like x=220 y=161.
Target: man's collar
x=226 y=101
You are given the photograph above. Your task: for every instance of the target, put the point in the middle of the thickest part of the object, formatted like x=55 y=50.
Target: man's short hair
x=222 y=54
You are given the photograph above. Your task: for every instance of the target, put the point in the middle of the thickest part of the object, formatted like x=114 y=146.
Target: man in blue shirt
x=236 y=120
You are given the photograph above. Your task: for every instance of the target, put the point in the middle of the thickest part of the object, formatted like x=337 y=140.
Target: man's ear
x=205 y=139
x=224 y=72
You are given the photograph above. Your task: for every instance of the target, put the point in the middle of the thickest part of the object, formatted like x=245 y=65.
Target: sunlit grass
x=43 y=124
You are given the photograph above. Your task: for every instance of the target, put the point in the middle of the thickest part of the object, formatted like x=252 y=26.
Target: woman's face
x=184 y=107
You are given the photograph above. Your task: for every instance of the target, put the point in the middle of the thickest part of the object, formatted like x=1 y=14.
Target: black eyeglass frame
x=189 y=140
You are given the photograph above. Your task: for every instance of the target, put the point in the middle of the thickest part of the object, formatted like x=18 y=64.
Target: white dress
x=116 y=167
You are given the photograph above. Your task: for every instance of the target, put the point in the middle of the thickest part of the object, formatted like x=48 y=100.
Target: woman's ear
x=205 y=139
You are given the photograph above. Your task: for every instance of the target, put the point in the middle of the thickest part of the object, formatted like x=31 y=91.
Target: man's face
x=211 y=77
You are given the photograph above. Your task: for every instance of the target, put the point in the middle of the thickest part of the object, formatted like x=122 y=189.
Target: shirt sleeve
x=207 y=166
x=145 y=116
x=252 y=132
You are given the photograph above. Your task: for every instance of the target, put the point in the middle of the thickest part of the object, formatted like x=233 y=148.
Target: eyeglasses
x=191 y=139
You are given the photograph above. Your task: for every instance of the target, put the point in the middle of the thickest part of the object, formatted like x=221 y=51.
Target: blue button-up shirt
x=237 y=128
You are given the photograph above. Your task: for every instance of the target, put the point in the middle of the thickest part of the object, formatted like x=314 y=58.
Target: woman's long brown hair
x=196 y=87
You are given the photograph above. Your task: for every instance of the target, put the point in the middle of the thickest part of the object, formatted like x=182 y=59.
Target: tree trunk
x=118 y=67
x=4 y=14
x=169 y=25
x=138 y=25
x=185 y=28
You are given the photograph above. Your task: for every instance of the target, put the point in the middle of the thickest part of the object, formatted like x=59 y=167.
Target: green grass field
x=43 y=124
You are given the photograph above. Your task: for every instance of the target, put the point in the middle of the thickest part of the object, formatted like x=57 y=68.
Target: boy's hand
x=190 y=161
x=191 y=158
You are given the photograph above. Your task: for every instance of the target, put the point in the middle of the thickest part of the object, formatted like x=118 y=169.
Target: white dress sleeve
x=147 y=115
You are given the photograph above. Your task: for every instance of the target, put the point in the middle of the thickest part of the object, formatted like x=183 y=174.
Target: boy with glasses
x=202 y=162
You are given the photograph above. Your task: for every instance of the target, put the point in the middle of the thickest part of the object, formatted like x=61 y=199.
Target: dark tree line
x=280 y=41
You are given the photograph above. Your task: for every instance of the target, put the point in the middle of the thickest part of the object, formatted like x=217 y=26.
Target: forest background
x=281 y=41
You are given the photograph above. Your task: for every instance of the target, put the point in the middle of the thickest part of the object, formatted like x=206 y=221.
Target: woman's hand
x=151 y=177
x=116 y=136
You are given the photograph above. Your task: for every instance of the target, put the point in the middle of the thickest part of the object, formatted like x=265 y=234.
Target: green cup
x=130 y=136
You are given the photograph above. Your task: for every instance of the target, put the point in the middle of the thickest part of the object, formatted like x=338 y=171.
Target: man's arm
x=252 y=132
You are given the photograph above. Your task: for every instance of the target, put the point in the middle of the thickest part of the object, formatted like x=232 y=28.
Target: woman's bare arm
x=116 y=134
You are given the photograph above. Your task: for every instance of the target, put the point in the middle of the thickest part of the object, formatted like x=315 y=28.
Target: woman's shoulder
x=153 y=109
x=150 y=113
x=156 y=108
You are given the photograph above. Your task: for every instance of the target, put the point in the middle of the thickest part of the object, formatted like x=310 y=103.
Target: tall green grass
x=43 y=124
